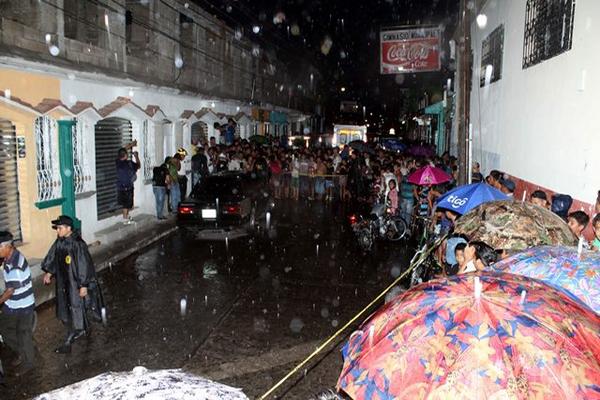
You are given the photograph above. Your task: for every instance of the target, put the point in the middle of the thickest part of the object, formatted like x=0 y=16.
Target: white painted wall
x=541 y=123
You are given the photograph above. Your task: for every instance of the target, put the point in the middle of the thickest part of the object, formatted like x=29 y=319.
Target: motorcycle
x=379 y=224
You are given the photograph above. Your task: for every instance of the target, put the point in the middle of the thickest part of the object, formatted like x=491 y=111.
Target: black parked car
x=225 y=199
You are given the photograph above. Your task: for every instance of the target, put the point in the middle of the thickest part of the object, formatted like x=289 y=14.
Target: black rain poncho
x=71 y=264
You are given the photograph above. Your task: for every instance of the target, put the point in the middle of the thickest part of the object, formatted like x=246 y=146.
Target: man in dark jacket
x=199 y=166
x=126 y=173
x=69 y=261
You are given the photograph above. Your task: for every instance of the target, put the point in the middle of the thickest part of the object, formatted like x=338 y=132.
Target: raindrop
x=296 y=325
x=229 y=9
x=256 y=29
x=395 y=272
x=183 y=306
x=255 y=51
x=334 y=323
x=324 y=312
x=481 y=21
x=71 y=76
x=54 y=50
x=104 y=318
x=326 y=45
x=206 y=301
x=178 y=62
x=268 y=225
x=336 y=302
x=471 y=4
x=295 y=30
x=187 y=5
x=279 y=18
x=238 y=34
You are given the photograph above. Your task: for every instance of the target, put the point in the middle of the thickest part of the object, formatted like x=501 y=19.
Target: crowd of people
x=362 y=177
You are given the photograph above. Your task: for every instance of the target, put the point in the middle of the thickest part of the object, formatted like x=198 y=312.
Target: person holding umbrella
x=70 y=263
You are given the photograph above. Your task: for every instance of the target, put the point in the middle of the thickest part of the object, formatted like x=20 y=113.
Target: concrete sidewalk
x=113 y=244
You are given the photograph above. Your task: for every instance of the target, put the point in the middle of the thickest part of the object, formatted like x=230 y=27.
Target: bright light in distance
x=343 y=89
x=481 y=21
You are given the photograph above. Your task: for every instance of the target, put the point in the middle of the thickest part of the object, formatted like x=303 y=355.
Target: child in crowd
x=577 y=222
x=478 y=256
x=596 y=225
x=540 y=198
x=392 y=197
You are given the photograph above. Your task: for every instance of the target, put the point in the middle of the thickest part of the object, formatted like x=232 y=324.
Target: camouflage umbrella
x=514 y=225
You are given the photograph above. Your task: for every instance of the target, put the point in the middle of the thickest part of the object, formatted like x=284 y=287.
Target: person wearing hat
x=126 y=174
x=70 y=264
x=18 y=304
x=507 y=187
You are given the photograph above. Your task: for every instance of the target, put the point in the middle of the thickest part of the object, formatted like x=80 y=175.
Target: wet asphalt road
x=256 y=306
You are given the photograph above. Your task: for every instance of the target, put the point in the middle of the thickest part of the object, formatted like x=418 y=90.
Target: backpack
x=159 y=176
x=561 y=203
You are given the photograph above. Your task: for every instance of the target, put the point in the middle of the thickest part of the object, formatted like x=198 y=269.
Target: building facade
x=80 y=79
x=532 y=93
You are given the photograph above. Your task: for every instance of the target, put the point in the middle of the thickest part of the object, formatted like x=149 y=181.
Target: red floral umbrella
x=476 y=336
x=429 y=175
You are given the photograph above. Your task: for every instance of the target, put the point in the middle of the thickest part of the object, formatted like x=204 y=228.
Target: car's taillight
x=185 y=210
x=231 y=209
x=353 y=219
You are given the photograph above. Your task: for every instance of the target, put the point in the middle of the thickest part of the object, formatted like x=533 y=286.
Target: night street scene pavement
x=304 y=199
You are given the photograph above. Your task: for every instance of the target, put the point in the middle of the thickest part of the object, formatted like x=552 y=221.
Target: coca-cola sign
x=410 y=50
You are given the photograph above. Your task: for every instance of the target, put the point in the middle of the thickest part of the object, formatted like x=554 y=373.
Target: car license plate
x=209 y=214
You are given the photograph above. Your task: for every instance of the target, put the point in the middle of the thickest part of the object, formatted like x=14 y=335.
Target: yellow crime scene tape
x=414 y=264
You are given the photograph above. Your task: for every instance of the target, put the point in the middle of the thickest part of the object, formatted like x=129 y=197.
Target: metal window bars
x=147 y=151
x=48 y=176
x=548 y=30
x=492 y=49
x=82 y=176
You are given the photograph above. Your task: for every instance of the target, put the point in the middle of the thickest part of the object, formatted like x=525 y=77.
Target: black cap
x=62 y=220
x=6 y=236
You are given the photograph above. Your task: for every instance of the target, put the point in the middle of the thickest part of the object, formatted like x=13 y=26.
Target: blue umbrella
x=392 y=144
x=466 y=197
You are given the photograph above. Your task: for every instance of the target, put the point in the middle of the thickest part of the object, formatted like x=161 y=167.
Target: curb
x=44 y=294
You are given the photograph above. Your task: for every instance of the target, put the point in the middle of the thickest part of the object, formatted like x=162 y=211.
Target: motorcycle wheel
x=396 y=229
x=365 y=239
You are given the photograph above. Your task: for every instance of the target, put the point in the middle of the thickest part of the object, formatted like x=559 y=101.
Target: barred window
x=492 y=49
x=82 y=177
x=147 y=152
x=47 y=164
x=548 y=30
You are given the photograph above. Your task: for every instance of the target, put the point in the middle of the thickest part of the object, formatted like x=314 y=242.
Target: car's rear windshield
x=219 y=186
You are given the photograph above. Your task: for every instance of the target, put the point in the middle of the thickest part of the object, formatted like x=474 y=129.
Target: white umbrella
x=167 y=384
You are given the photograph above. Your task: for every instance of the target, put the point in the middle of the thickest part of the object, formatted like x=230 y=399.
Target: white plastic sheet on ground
x=169 y=384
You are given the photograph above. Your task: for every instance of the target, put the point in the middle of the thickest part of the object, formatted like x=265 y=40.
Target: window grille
x=147 y=152
x=47 y=163
x=82 y=175
x=548 y=30
x=492 y=49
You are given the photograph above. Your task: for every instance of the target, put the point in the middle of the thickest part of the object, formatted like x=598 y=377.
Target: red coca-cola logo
x=404 y=52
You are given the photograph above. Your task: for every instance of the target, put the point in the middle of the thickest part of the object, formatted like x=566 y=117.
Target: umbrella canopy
x=476 y=336
x=465 y=198
x=362 y=146
x=172 y=384
x=560 y=267
x=429 y=175
x=514 y=225
x=393 y=144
